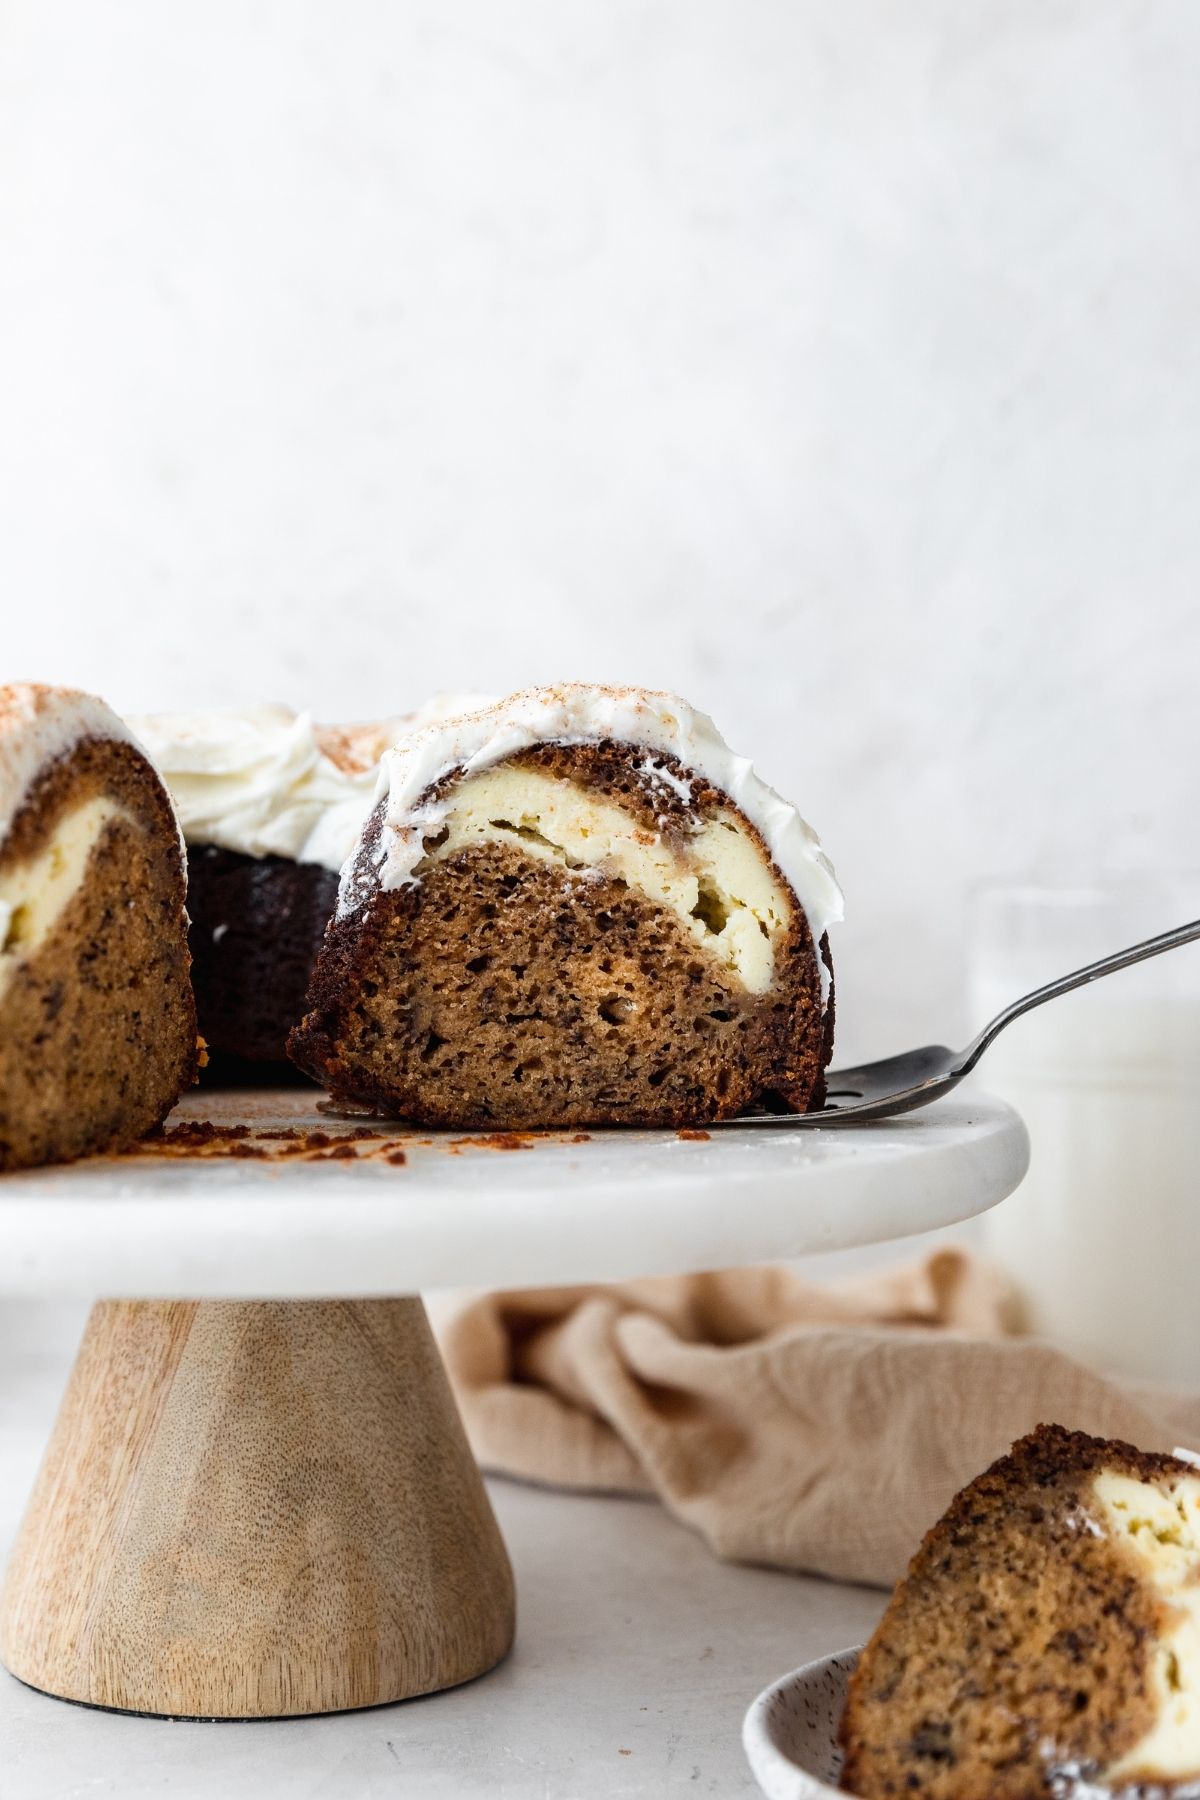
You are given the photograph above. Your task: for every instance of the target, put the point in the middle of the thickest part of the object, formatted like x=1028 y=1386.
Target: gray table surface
x=637 y=1654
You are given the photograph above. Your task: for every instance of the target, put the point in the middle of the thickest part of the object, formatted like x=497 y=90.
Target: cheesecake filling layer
x=1159 y=1525
x=719 y=885
x=654 y=726
x=35 y=892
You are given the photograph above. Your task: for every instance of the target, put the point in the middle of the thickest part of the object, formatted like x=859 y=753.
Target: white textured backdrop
x=838 y=365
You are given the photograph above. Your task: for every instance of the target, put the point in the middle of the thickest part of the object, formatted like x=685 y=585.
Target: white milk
x=1103 y=1236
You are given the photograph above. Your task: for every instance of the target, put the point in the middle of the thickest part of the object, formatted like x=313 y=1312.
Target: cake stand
x=258 y=1500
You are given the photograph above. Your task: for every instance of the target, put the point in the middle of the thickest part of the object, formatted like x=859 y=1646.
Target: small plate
x=790 y=1732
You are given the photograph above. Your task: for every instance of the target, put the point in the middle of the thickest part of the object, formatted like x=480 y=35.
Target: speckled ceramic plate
x=790 y=1732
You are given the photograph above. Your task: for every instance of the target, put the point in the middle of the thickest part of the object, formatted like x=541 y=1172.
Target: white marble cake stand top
x=464 y=1210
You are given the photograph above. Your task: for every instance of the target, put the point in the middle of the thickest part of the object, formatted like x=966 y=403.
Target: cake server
x=900 y=1084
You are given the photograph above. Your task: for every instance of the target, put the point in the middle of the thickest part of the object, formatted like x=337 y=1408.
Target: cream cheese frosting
x=262 y=782
x=268 y=781
x=416 y=807
x=38 y=724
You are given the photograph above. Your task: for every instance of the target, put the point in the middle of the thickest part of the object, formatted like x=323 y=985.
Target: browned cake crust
x=1017 y=1651
x=98 y=1028
x=502 y=990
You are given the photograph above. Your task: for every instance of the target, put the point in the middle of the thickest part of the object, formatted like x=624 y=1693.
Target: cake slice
x=575 y=907
x=1047 y=1635
x=97 y=1024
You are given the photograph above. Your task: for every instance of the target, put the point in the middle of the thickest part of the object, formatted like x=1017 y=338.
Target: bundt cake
x=573 y=907
x=1046 y=1639
x=270 y=806
x=97 y=1024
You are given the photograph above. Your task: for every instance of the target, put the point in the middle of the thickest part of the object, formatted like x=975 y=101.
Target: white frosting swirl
x=579 y=713
x=267 y=781
x=38 y=724
x=259 y=782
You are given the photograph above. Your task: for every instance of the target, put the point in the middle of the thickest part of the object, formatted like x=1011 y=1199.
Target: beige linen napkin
x=804 y=1426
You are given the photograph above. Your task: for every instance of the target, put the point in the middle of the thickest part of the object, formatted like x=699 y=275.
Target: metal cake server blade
x=900 y=1084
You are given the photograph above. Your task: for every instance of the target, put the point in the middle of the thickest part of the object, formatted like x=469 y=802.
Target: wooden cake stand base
x=255 y=1509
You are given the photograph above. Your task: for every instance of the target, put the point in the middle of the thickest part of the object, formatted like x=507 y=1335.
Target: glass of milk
x=1102 y=1239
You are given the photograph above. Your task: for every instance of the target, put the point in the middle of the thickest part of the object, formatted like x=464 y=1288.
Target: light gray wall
x=834 y=364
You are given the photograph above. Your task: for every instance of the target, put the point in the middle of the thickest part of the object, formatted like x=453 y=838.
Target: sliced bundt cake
x=575 y=907
x=97 y=1024
x=1046 y=1638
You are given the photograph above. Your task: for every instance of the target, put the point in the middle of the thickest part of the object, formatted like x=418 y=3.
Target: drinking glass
x=1102 y=1239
